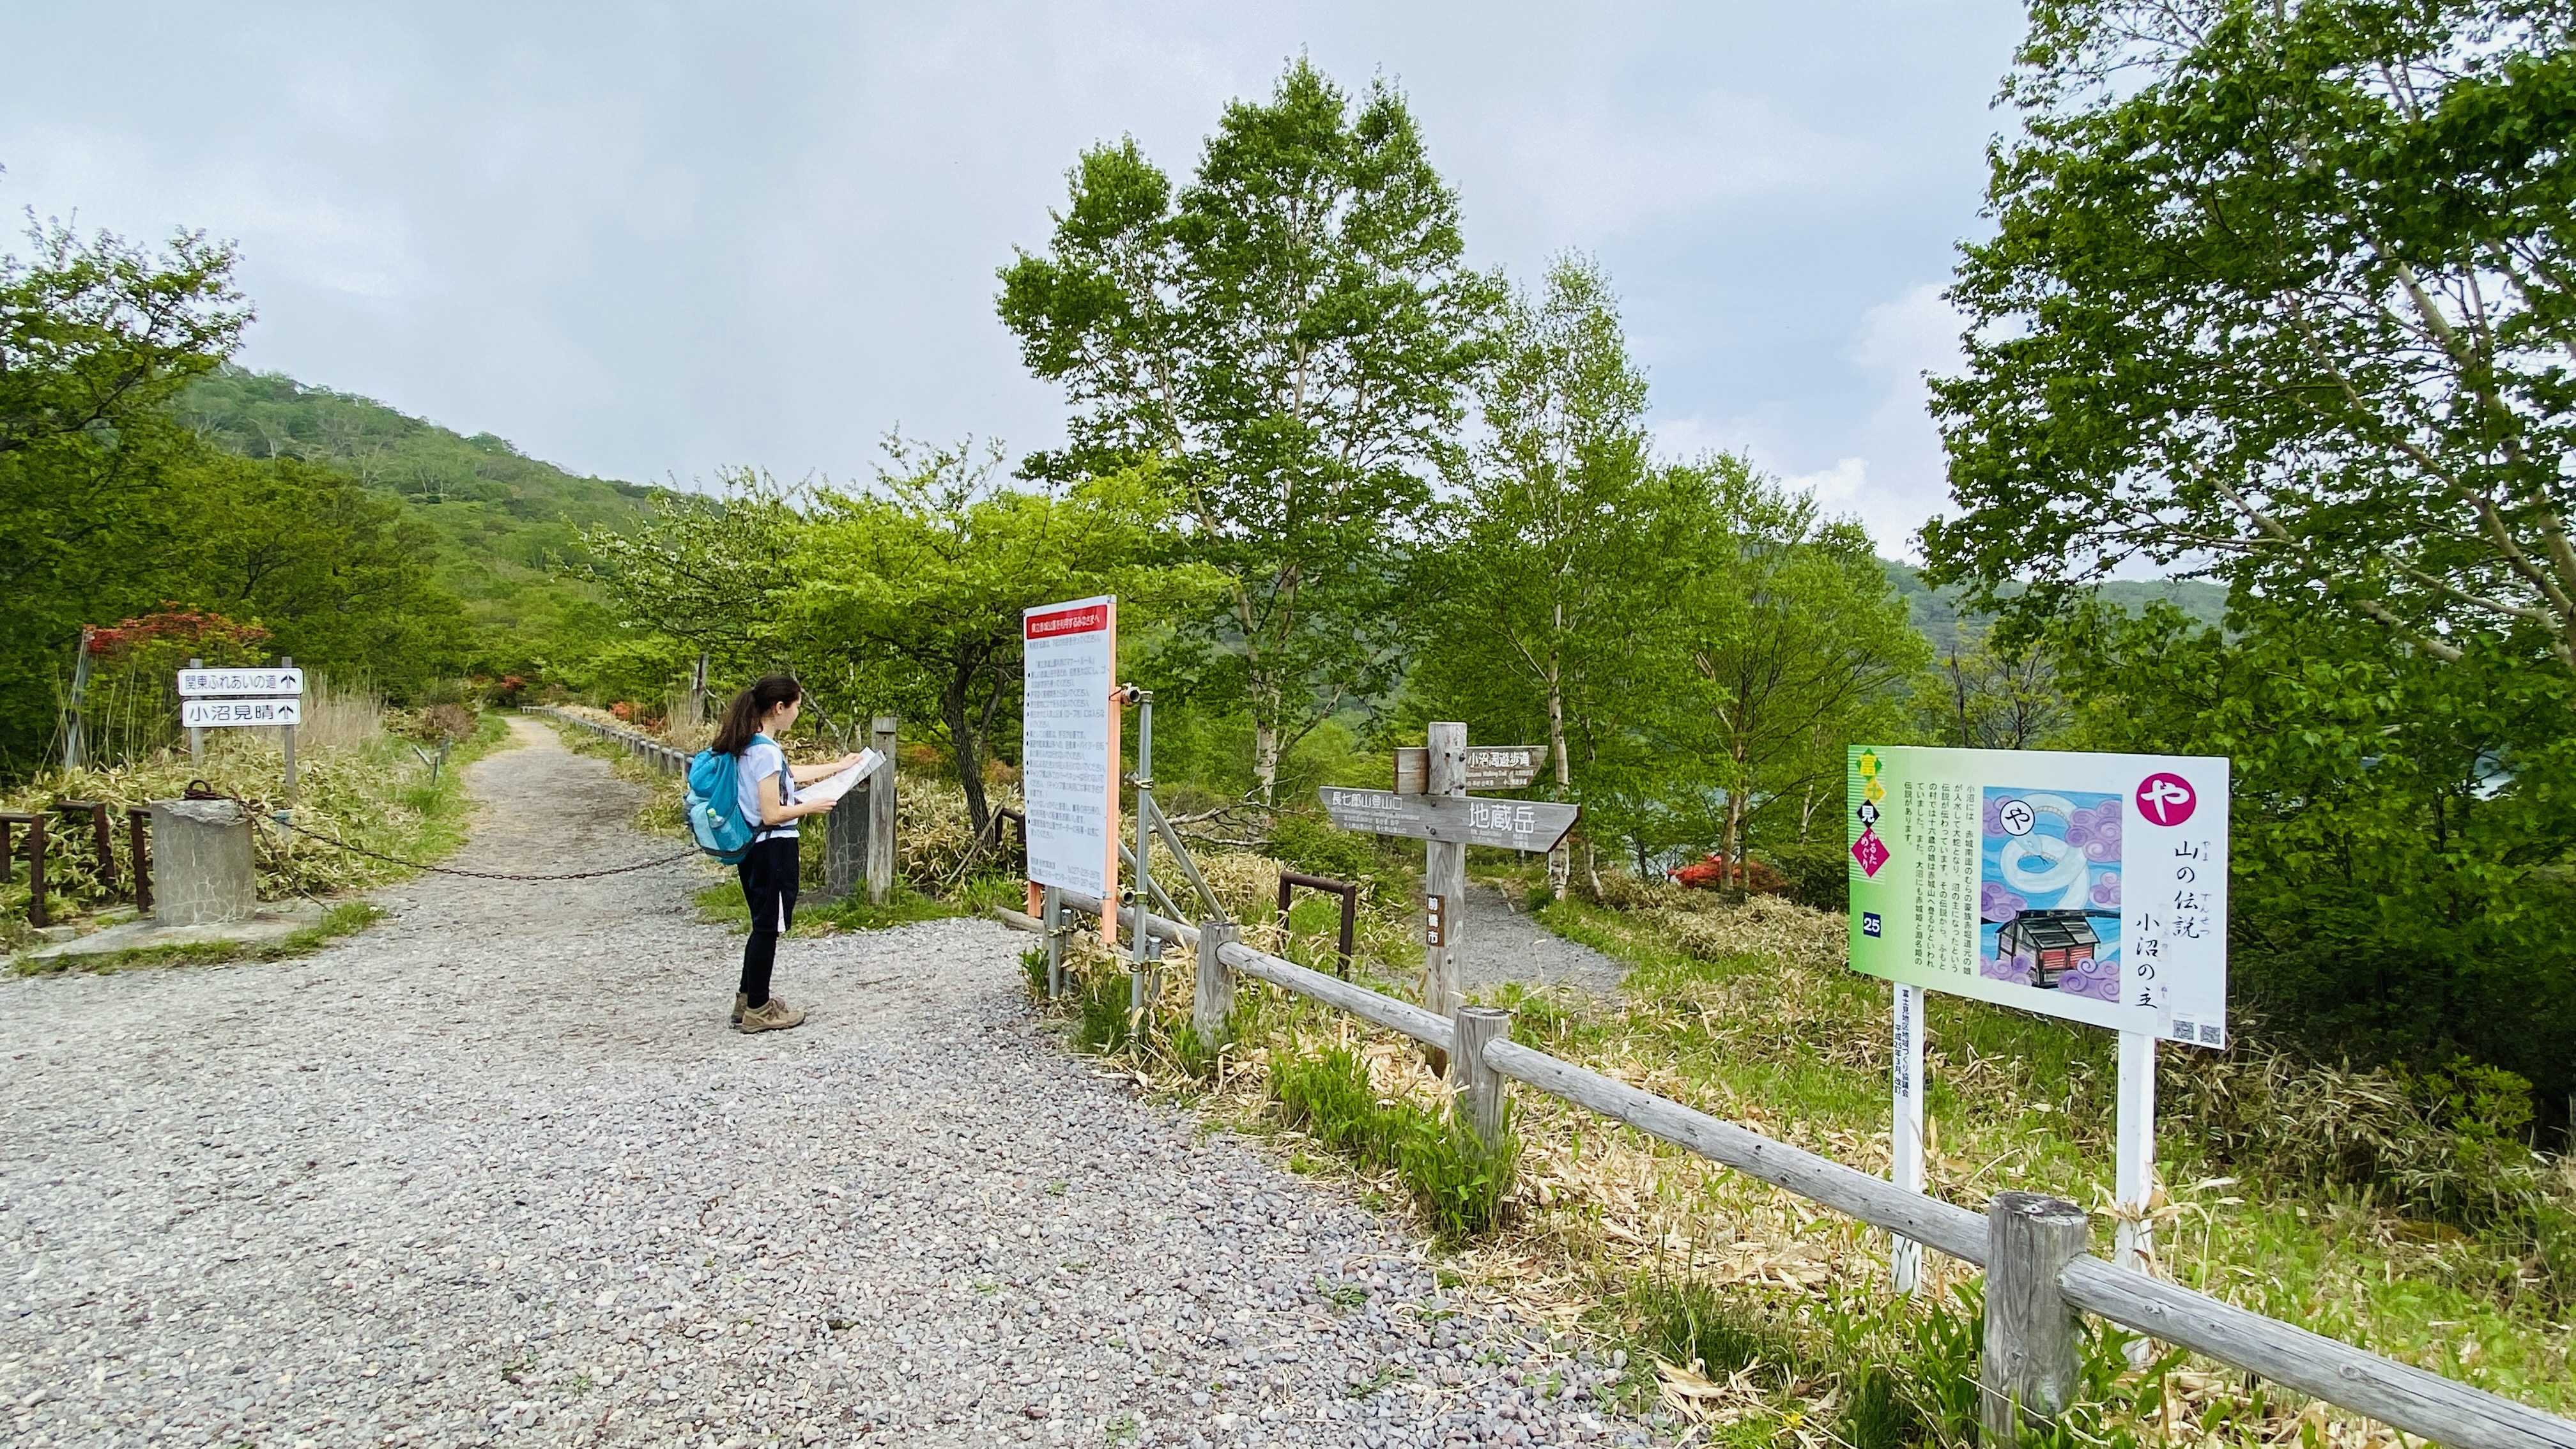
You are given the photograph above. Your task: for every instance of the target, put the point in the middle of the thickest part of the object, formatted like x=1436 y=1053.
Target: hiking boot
x=740 y=1000
x=776 y=1015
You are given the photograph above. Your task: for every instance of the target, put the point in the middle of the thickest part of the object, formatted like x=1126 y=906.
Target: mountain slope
x=500 y=516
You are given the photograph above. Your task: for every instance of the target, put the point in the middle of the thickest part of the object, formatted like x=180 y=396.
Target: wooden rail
x=2025 y=1349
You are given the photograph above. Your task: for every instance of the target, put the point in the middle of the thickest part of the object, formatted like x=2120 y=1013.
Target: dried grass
x=363 y=788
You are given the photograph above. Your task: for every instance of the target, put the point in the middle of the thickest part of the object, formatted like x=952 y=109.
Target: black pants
x=768 y=872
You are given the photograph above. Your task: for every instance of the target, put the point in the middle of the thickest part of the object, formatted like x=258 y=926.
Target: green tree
x=1289 y=336
x=2281 y=293
x=342 y=579
x=1549 y=565
x=2400 y=887
x=918 y=585
x=714 y=573
x=96 y=336
x=1984 y=693
x=1795 y=642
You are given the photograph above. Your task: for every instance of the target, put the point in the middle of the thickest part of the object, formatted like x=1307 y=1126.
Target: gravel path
x=495 y=1173
x=1503 y=944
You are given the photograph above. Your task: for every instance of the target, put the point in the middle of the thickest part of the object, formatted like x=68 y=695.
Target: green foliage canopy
x=1289 y=336
x=2282 y=293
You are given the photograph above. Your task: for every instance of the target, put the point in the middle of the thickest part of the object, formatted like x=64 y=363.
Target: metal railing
x=2038 y=1274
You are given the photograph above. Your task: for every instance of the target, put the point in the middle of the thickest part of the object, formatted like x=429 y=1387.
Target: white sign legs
x=2134 y=1174
x=1906 y=1167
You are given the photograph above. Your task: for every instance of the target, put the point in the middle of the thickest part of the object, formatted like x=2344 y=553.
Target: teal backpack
x=714 y=805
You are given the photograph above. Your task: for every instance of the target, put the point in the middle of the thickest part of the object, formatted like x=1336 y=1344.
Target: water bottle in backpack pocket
x=714 y=807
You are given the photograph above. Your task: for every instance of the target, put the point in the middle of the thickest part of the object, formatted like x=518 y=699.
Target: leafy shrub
x=1312 y=846
x=1818 y=873
x=1460 y=1184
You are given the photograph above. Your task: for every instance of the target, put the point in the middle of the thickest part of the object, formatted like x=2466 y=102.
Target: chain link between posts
x=200 y=790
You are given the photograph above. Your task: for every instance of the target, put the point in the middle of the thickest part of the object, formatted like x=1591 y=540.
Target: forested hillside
x=507 y=526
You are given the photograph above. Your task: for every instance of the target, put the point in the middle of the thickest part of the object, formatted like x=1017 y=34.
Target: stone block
x=201 y=863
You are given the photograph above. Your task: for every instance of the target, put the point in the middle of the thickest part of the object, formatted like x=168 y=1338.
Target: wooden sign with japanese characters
x=1508 y=824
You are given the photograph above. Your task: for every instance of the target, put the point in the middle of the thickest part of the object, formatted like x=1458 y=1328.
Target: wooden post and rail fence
x=2039 y=1276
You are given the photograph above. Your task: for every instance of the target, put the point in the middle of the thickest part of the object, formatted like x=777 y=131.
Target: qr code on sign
x=2212 y=1035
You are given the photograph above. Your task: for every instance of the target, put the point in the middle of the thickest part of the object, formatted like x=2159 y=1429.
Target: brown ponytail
x=743 y=716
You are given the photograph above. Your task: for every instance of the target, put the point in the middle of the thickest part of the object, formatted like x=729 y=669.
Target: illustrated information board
x=1069 y=744
x=2091 y=887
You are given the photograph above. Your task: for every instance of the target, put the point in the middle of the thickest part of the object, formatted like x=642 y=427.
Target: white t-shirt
x=758 y=763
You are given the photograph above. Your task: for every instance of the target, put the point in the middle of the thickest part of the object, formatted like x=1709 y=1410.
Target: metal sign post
x=1905 y=1261
x=286 y=732
x=1146 y=949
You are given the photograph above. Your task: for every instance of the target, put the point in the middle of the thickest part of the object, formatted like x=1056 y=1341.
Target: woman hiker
x=768 y=784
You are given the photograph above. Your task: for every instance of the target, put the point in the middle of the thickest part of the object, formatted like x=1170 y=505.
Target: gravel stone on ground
x=1503 y=944
x=494 y=1172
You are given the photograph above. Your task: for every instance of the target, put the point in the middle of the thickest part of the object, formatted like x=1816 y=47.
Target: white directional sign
x=1069 y=745
x=205 y=714
x=1509 y=824
x=230 y=683
x=1503 y=767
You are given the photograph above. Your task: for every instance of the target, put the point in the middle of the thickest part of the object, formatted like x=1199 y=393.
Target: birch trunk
x=1560 y=859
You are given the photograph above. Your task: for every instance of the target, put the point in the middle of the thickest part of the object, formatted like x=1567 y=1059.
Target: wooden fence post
x=881 y=813
x=1215 y=999
x=846 y=827
x=2029 y=1368
x=1482 y=1098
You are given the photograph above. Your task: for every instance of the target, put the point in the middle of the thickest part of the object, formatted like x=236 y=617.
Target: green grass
x=1463 y=1187
x=722 y=904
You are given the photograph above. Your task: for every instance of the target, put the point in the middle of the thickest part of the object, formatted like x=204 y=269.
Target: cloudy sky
x=644 y=241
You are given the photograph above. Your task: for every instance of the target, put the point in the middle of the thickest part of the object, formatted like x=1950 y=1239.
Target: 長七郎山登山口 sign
x=2085 y=886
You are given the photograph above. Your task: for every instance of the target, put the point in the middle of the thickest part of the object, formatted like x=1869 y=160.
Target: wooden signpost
x=1429 y=803
x=1489 y=767
x=234 y=698
x=1503 y=824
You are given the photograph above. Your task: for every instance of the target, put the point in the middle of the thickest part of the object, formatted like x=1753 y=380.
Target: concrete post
x=201 y=863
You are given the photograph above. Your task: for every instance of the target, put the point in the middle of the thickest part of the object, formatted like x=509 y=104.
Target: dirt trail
x=1503 y=944
x=495 y=1172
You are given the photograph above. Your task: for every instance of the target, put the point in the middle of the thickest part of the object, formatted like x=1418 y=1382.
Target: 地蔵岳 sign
x=1069 y=744
x=1507 y=824
x=2085 y=886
